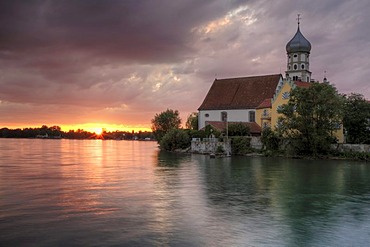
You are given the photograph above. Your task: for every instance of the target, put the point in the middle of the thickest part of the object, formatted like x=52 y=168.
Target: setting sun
x=98 y=131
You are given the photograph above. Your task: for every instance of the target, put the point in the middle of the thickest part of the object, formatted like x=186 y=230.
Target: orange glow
x=91 y=127
x=99 y=127
x=98 y=131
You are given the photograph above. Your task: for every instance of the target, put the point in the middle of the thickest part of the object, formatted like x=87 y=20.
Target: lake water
x=127 y=193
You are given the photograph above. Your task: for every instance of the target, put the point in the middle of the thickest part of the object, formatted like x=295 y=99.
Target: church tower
x=298 y=52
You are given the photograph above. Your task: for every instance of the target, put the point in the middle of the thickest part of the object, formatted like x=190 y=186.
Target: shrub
x=270 y=140
x=238 y=129
x=175 y=139
x=241 y=145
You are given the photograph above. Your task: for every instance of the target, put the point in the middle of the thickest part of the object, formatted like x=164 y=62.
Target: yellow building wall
x=279 y=101
x=339 y=134
x=262 y=118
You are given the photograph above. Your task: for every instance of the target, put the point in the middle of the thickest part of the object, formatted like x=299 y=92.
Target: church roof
x=265 y=104
x=220 y=125
x=298 y=43
x=302 y=84
x=240 y=93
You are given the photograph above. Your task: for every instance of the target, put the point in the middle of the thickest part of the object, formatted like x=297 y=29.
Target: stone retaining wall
x=361 y=148
x=208 y=145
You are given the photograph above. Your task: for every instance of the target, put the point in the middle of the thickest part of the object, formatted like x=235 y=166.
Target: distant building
x=255 y=99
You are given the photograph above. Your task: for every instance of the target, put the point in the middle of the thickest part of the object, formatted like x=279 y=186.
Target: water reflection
x=127 y=193
x=298 y=200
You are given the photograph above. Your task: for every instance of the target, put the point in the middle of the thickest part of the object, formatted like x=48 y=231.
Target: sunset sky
x=115 y=64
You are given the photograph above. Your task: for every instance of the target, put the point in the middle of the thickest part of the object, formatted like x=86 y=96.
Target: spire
x=298 y=43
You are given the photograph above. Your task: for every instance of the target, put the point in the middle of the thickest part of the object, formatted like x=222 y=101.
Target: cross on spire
x=299 y=18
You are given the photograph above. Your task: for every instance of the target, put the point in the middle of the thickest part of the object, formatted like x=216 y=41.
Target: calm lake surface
x=128 y=193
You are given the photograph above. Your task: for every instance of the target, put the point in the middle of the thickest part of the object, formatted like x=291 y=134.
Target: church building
x=255 y=100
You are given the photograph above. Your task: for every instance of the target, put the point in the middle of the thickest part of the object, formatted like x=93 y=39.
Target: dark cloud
x=126 y=60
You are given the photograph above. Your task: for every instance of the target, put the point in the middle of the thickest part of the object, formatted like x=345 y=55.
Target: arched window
x=295 y=66
x=302 y=66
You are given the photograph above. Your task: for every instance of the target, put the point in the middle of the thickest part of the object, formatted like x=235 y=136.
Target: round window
x=302 y=66
x=295 y=67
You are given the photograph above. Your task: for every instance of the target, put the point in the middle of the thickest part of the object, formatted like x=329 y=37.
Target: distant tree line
x=55 y=132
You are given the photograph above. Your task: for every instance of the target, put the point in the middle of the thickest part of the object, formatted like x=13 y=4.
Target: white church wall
x=215 y=115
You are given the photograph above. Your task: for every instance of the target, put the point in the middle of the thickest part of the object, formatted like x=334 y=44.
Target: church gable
x=240 y=93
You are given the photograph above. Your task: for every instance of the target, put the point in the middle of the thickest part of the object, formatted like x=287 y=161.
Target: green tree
x=241 y=145
x=192 y=121
x=164 y=122
x=270 y=139
x=356 y=119
x=175 y=139
x=238 y=129
x=310 y=118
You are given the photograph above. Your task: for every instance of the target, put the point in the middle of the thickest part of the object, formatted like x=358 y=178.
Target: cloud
x=124 y=61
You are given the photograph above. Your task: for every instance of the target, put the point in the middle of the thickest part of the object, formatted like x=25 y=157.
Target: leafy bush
x=164 y=122
x=238 y=129
x=196 y=133
x=270 y=140
x=175 y=139
x=208 y=130
x=241 y=145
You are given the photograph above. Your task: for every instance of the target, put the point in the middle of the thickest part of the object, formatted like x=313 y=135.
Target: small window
x=265 y=113
x=223 y=116
x=265 y=125
x=206 y=115
x=289 y=67
x=286 y=95
x=302 y=66
x=295 y=55
x=295 y=67
x=252 y=116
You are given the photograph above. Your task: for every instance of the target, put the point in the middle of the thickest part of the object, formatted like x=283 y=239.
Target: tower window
x=295 y=67
x=295 y=55
x=302 y=66
x=289 y=67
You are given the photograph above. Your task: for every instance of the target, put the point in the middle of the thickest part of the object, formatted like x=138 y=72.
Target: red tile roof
x=240 y=93
x=220 y=125
x=265 y=104
x=302 y=84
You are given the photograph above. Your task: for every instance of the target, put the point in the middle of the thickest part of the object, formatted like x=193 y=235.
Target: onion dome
x=298 y=43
